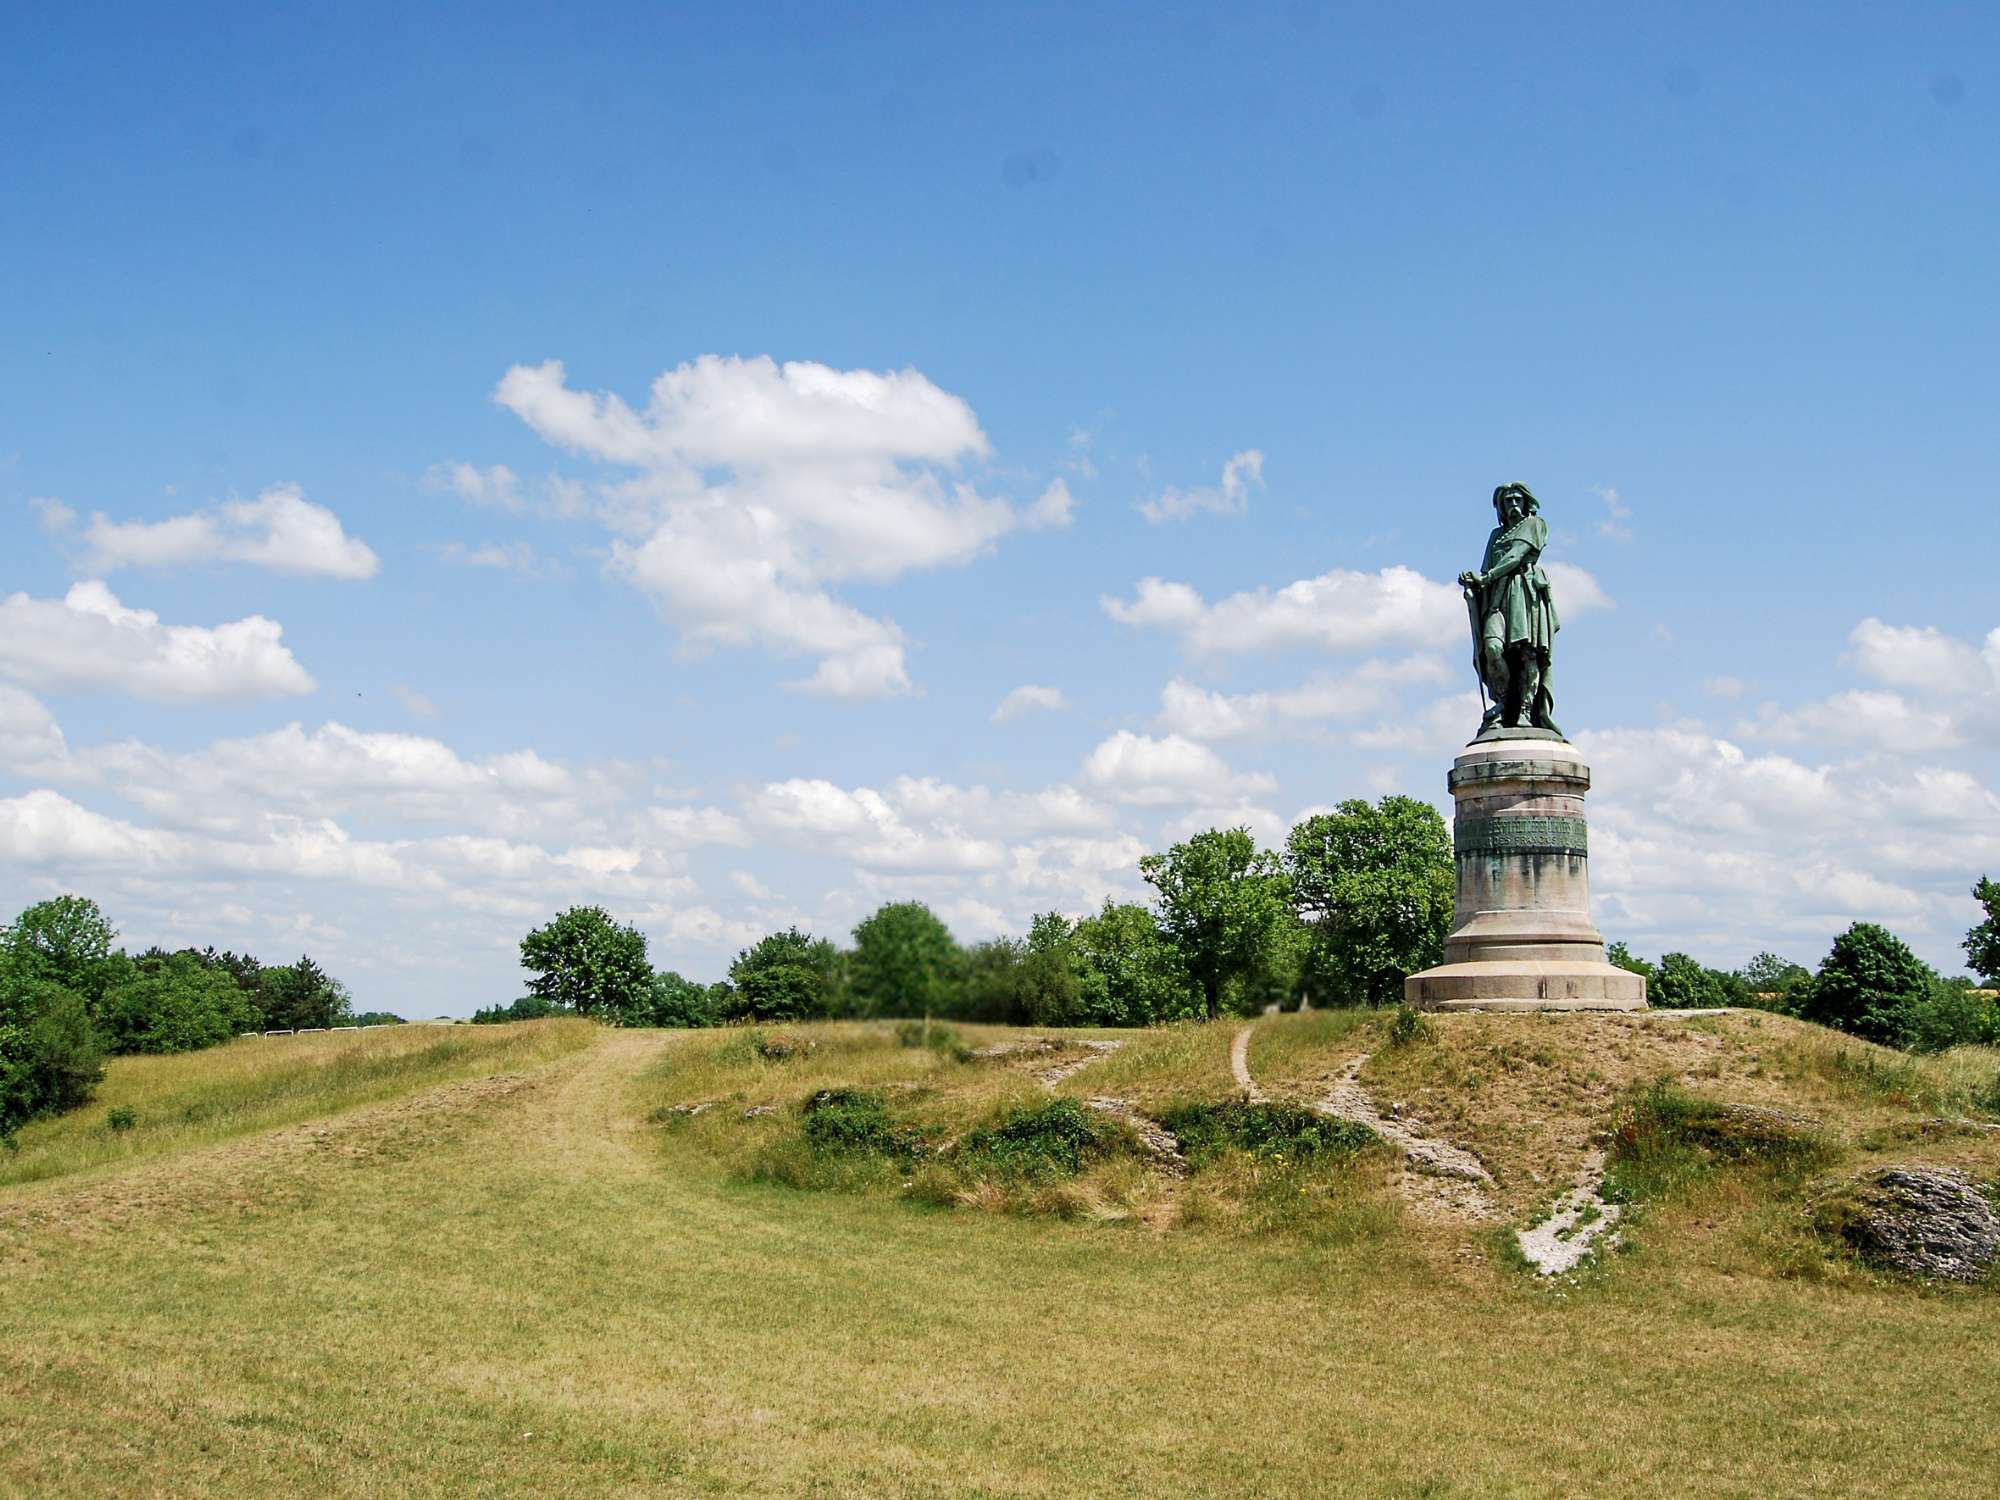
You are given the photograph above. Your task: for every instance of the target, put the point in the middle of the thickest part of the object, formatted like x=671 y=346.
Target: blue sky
x=964 y=315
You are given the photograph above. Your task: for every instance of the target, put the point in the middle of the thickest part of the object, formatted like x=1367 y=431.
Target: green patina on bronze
x=1536 y=834
x=1514 y=623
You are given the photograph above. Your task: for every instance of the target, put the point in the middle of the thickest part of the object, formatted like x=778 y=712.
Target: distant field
x=557 y=1260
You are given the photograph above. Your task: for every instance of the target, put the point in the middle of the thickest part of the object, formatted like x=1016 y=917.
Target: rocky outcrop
x=1920 y=1221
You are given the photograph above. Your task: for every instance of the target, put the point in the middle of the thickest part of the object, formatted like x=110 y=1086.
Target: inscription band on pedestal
x=1521 y=835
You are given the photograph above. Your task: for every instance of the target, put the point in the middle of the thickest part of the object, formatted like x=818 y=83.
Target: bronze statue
x=1513 y=614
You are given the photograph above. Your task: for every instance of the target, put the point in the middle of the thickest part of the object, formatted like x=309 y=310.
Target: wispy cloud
x=1231 y=496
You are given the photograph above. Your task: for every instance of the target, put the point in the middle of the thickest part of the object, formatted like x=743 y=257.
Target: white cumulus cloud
x=1340 y=611
x=1172 y=770
x=280 y=530
x=754 y=489
x=1939 y=693
x=88 y=640
x=1699 y=844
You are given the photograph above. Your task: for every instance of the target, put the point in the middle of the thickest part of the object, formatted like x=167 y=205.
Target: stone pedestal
x=1521 y=934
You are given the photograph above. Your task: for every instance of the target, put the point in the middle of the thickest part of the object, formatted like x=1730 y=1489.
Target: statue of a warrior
x=1513 y=615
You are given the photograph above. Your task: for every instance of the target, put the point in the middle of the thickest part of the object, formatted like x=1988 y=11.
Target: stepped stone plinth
x=1521 y=934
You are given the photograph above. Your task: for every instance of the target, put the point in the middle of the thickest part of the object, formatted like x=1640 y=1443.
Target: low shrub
x=776 y=1046
x=1663 y=1139
x=755 y=1043
x=858 y=1121
x=1410 y=1026
x=124 y=1117
x=1266 y=1128
x=1040 y=1140
x=940 y=1039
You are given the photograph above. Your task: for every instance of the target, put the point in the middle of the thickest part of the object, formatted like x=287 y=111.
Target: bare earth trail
x=1452 y=1182
x=588 y=1124
x=1443 y=1178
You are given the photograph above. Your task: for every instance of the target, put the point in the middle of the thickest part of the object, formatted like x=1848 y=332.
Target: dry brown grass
x=1532 y=1094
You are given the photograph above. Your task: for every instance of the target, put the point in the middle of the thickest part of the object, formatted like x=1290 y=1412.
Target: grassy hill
x=555 y=1259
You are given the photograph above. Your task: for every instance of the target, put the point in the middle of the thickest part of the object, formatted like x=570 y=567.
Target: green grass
x=555 y=1296
x=1664 y=1140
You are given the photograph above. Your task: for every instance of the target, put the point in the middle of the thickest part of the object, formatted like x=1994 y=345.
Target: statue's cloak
x=1517 y=590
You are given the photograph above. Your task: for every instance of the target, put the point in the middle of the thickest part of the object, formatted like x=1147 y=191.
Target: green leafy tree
x=1620 y=956
x=1681 y=983
x=1287 y=978
x=1982 y=943
x=66 y=940
x=904 y=962
x=1949 y=1015
x=785 y=976
x=992 y=983
x=679 y=1002
x=299 y=996
x=1375 y=885
x=1223 y=902
x=178 y=1004
x=1773 y=983
x=526 y=1008
x=1052 y=989
x=1131 y=974
x=51 y=1056
x=586 y=962
x=1865 y=984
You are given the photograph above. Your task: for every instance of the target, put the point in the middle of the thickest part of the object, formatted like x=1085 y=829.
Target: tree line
x=69 y=996
x=1357 y=899
x=1870 y=984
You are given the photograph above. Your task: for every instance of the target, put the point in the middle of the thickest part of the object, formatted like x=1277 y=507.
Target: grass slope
x=511 y=1279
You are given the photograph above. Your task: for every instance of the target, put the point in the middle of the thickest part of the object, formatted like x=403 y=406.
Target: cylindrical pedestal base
x=1526 y=984
x=1521 y=935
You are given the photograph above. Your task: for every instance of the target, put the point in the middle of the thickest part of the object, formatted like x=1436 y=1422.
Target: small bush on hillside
x=1039 y=1140
x=1664 y=1139
x=857 y=1120
x=1267 y=1128
x=1410 y=1026
x=940 y=1039
x=776 y=1046
x=124 y=1117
